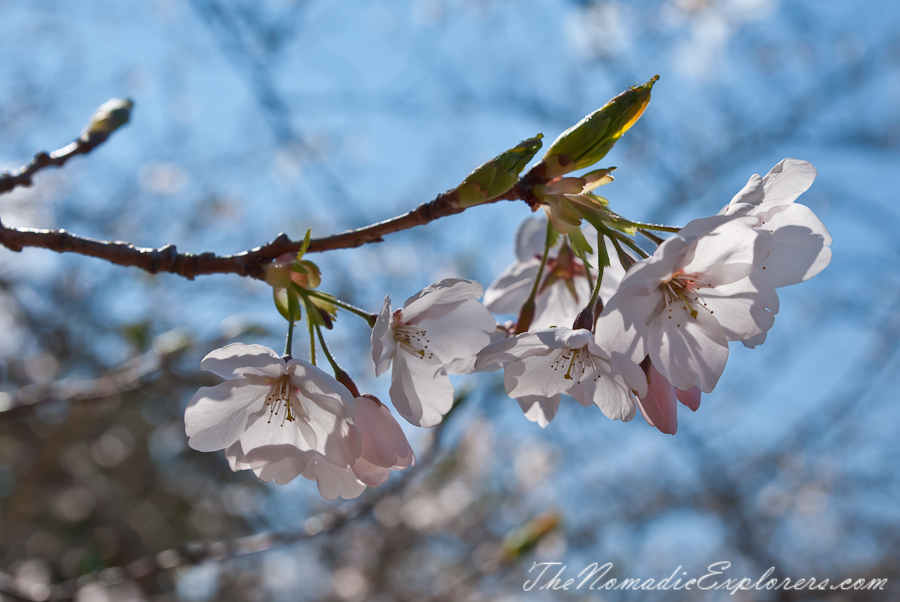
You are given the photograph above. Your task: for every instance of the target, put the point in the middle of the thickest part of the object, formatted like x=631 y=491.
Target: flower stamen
x=414 y=338
x=282 y=394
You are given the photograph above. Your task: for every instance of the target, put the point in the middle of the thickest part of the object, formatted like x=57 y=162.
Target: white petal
x=500 y=353
x=626 y=346
x=369 y=474
x=555 y=306
x=787 y=181
x=742 y=308
x=725 y=254
x=281 y=463
x=447 y=292
x=461 y=333
x=536 y=375
x=327 y=406
x=421 y=391
x=752 y=342
x=539 y=409
x=383 y=344
x=750 y=196
x=605 y=391
x=794 y=246
x=238 y=359
x=509 y=291
x=530 y=238
x=217 y=416
x=383 y=441
x=467 y=365
x=688 y=350
x=333 y=481
x=268 y=430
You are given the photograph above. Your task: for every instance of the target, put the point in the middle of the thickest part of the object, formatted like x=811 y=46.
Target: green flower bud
x=498 y=175
x=590 y=139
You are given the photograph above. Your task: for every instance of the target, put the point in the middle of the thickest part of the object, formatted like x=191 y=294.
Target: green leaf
x=305 y=244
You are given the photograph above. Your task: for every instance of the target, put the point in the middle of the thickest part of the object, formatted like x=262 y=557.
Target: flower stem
x=595 y=292
x=369 y=318
x=652 y=237
x=628 y=241
x=618 y=219
x=526 y=313
x=289 y=342
x=312 y=337
x=339 y=374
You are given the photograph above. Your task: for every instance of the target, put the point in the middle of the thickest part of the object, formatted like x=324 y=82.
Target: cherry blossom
x=539 y=366
x=436 y=333
x=793 y=244
x=564 y=289
x=276 y=415
x=682 y=305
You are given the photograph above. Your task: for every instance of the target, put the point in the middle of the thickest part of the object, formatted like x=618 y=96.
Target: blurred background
x=254 y=117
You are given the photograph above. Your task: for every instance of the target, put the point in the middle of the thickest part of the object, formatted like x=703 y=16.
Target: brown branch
x=58 y=158
x=248 y=263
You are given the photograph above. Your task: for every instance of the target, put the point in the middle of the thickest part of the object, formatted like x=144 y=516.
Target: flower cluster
x=641 y=334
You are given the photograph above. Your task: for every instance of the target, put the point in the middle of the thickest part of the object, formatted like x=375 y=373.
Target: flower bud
x=498 y=175
x=108 y=117
x=590 y=139
x=526 y=315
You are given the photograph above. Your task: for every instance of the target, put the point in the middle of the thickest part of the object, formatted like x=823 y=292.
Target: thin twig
x=23 y=176
x=248 y=263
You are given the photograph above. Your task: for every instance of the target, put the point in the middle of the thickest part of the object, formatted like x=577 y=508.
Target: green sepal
x=602 y=253
x=287 y=304
x=580 y=245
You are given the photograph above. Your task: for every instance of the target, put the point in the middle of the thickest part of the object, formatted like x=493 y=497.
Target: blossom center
x=576 y=362
x=412 y=337
x=684 y=289
x=282 y=397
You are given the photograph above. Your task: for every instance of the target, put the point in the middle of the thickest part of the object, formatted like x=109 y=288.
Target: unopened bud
x=590 y=139
x=498 y=175
x=526 y=315
x=585 y=319
x=344 y=378
x=108 y=117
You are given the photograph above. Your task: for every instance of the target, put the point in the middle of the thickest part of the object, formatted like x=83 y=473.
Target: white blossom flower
x=541 y=365
x=276 y=416
x=564 y=290
x=435 y=334
x=793 y=244
x=682 y=305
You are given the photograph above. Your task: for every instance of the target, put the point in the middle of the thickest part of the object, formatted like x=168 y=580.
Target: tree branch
x=248 y=263
x=58 y=158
